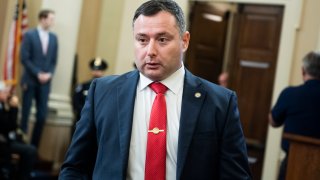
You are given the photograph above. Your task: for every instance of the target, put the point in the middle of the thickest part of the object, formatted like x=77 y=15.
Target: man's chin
x=154 y=76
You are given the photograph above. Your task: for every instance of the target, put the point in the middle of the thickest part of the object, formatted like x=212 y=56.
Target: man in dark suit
x=204 y=138
x=98 y=67
x=39 y=57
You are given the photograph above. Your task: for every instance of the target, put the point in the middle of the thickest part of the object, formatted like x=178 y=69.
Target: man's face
x=48 y=22
x=223 y=79
x=158 y=45
x=97 y=73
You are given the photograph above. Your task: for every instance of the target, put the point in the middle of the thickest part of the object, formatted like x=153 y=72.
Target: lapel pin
x=197 y=95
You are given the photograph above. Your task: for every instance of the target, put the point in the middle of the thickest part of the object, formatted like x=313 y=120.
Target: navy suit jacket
x=211 y=144
x=33 y=58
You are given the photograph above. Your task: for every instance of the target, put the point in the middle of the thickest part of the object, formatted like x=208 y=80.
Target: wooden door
x=257 y=32
x=208 y=27
x=253 y=70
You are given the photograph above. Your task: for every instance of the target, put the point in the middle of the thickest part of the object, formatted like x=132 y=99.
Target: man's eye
x=142 y=40
x=162 y=40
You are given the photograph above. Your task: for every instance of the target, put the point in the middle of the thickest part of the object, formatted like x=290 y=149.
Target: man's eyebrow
x=157 y=35
x=140 y=34
x=163 y=34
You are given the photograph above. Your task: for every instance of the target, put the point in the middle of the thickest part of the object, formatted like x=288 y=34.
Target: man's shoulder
x=30 y=31
x=291 y=90
x=292 y=93
x=113 y=80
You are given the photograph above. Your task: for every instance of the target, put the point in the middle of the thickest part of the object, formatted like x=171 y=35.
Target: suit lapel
x=38 y=40
x=126 y=94
x=193 y=97
x=50 y=44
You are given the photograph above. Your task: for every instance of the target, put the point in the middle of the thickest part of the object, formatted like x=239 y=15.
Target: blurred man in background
x=223 y=79
x=39 y=51
x=298 y=108
x=98 y=66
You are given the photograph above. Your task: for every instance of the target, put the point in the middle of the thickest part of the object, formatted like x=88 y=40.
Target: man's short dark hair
x=152 y=7
x=311 y=64
x=43 y=14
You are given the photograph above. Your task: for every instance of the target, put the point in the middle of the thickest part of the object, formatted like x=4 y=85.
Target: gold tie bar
x=156 y=130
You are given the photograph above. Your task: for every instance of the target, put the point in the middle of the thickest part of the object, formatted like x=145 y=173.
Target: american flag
x=18 y=27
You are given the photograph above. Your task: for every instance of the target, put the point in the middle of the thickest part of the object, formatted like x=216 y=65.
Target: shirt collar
x=312 y=81
x=173 y=82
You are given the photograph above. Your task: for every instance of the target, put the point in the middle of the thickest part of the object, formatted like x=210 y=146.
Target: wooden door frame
x=290 y=24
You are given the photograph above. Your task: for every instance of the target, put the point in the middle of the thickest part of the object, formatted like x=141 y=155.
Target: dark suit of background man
x=39 y=57
x=298 y=108
x=204 y=137
x=98 y=67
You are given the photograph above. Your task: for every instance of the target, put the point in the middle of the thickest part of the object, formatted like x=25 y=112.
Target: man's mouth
x=152 y=65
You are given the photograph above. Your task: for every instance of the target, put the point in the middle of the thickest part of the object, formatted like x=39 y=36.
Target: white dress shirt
x=141 y=117
x=44 y=37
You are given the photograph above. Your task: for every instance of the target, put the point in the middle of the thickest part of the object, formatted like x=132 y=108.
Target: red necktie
x=156 y=148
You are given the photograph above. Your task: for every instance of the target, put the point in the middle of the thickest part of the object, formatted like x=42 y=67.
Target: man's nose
x=152 y=49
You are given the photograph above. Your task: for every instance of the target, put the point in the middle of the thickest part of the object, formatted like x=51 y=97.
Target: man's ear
x=185 y=40
x=305 y=75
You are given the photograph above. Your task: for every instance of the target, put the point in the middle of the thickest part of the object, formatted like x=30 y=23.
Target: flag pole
x=18 y=42
x=17 y=29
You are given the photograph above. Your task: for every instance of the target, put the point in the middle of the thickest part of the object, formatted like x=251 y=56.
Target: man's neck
x=43 y=28
x=308 y=77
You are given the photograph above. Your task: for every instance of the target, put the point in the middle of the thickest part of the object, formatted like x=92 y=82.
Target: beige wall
x=88 y=37
x=3 y=10
x=33 y=7
x=99 y=35
x=307 y=38
x=3 y=15
x=6 y=13
x=109 y=32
